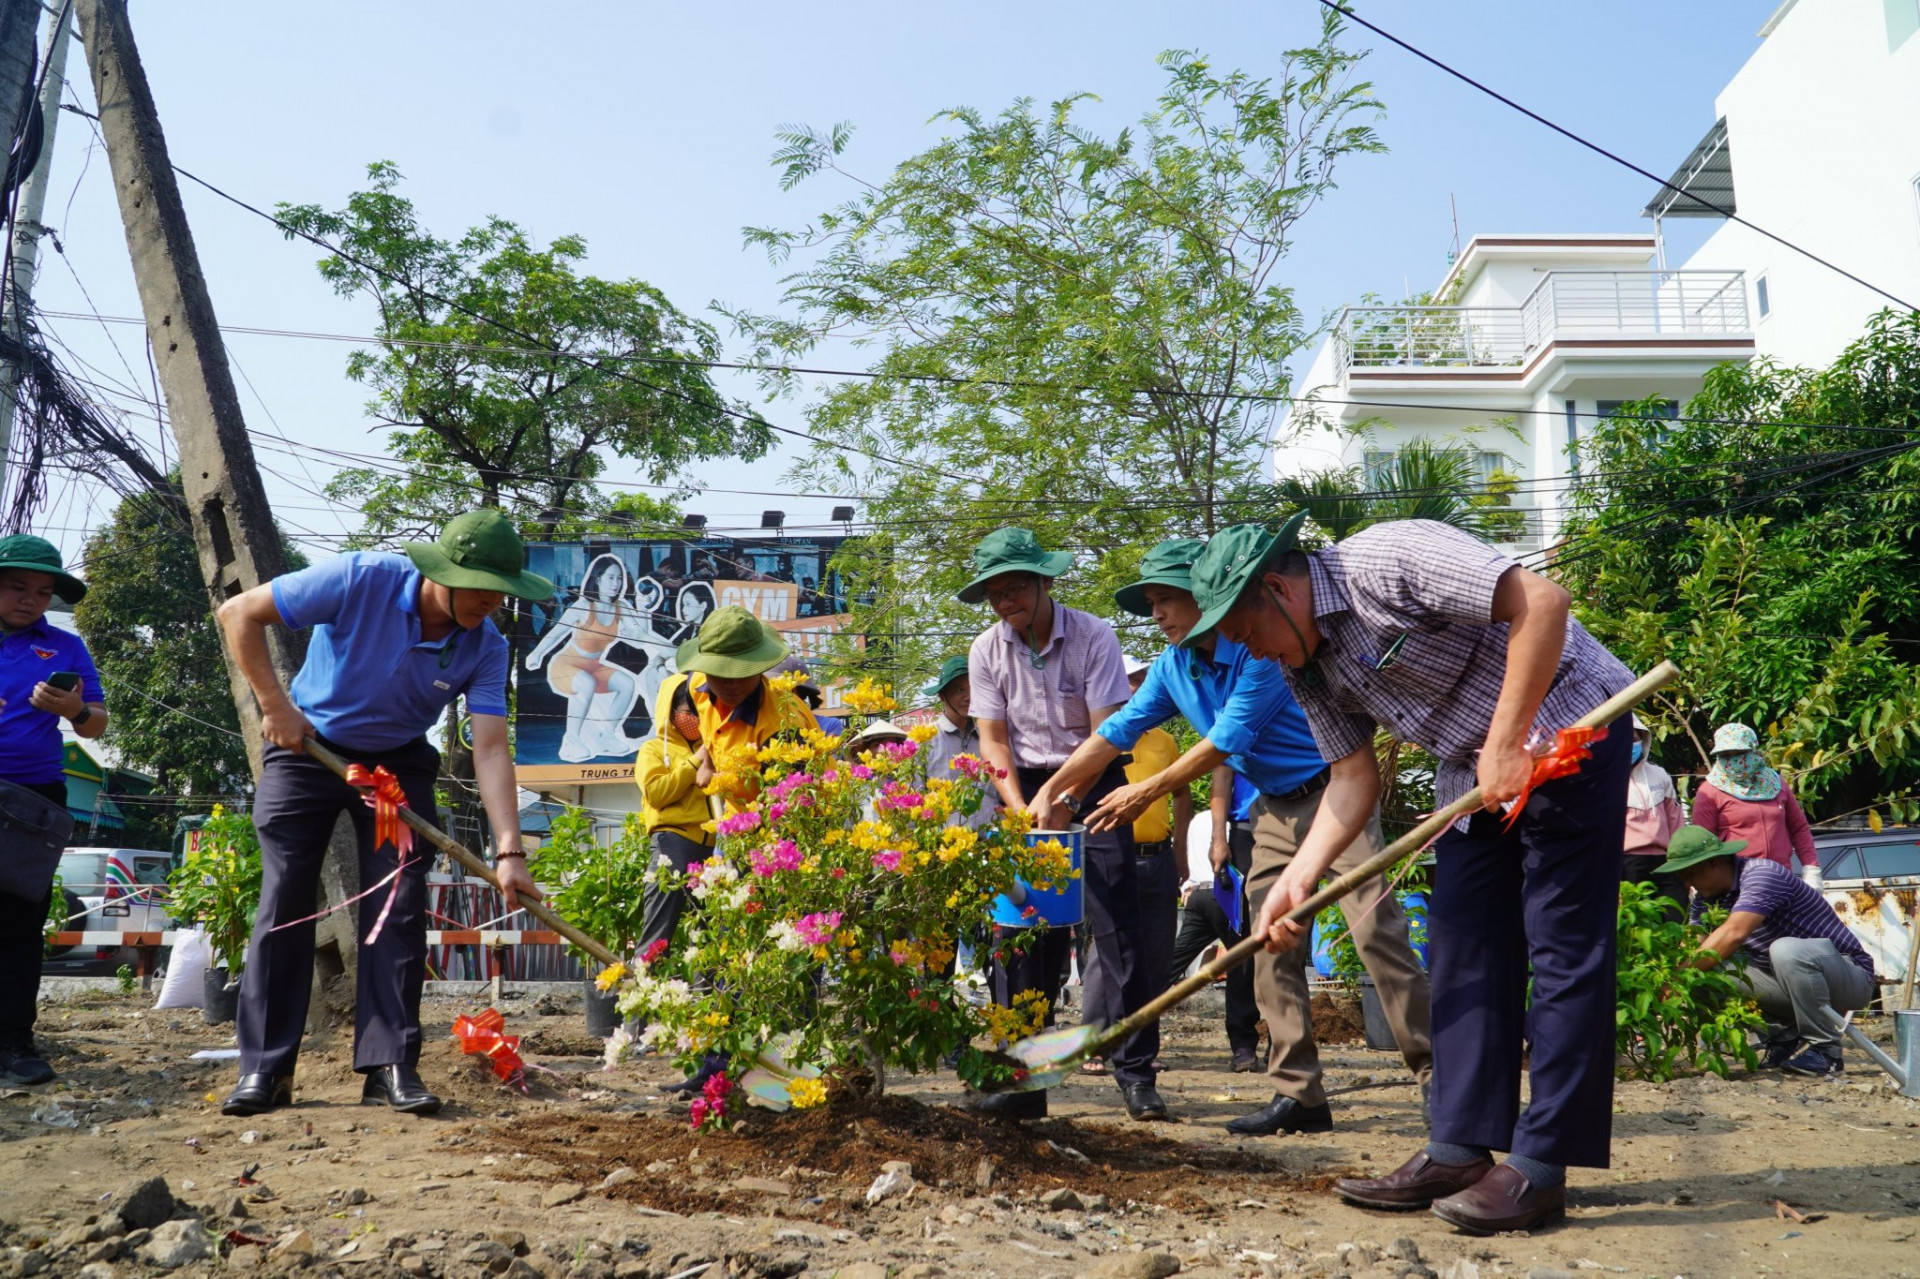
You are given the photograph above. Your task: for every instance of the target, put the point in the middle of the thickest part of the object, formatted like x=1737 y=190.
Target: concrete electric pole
x=233 y=529
x=27 y=230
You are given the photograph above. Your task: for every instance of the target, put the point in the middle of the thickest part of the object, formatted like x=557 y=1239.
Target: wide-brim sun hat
x=38 y=555
x=1133 y=665
x=732 y=644
x=480 y=551
x=1233 y=559
x=1010 y=550
x=1168 y=564
x=1731 y=738
x=881 y=730
x=950 y=670
x=1692 y=845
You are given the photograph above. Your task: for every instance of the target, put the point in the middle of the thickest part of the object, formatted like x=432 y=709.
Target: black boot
x=398 y=1086
x=257 y=1094
x=710 y=1065
x=1283 y=1114
x=1143 y=1102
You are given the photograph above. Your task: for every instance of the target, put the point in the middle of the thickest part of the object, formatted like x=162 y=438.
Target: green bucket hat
x=480 y=551
x=1233 y=559
x=1168 y=564
x=24 y=550
x=1692 y=845
x=1010 y=550
x=950 y=670
x=733 y=644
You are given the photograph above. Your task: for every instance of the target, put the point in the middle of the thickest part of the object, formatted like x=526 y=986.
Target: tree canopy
x=506 y=377
x=147 y=621
x=1066 y=331
x=1766 y=542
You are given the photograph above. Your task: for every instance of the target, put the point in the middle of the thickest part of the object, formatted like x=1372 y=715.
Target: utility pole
x=27 y=230
x=233 y=529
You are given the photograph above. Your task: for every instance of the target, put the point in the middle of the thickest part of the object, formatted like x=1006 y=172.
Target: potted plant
x=217 y=888
x=596 y=886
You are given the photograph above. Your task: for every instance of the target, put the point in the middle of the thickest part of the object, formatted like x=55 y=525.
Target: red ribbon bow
x=483 y=1035
x=386 y=799
x=1570 y=750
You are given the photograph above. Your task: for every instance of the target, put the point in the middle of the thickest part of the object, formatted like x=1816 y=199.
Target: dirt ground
x=594 y=1174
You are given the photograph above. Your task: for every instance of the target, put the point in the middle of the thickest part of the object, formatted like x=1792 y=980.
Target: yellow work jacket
x=750 y=725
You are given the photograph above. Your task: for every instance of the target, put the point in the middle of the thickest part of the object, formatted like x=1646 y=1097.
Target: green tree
x=521 y=408
x=147 y=622
x=1766 y=542
x=1064 y=327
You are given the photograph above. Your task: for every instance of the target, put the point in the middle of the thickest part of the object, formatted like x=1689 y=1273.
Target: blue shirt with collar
x=370 y=682
x=1240 y=807
x=1242 y=705
x=31 y=752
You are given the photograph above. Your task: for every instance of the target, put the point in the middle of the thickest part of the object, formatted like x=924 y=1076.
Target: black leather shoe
x=1013 y=1105
x=257 y=1094
x=1283 y=1114
x=400 y=1087
x=24 y=1066
x=710 y=1065
x=1143 y=1102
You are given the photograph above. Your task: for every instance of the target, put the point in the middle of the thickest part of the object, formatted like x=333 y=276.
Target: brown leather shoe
x=1414 y=1184
x=1501 y=1200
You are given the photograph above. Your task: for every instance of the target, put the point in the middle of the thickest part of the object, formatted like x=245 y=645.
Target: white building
x=1817 y=139
x=1535 y=335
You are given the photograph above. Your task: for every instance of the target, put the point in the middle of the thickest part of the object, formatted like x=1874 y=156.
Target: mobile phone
x=65 y=681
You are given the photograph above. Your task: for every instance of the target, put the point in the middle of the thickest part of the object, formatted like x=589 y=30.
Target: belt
x=1155 y=849
x=1315 y=783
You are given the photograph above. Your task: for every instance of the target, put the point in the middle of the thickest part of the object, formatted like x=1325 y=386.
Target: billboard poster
x=589 y=663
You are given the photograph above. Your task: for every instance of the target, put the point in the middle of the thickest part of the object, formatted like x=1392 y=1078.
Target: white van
x=122 y=890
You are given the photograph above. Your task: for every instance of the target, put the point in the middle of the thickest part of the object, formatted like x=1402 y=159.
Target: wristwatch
x=1071 y=803
x=86 y=713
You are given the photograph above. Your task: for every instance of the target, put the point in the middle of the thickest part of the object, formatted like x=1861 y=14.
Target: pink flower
x=887 y=859
x=652 y=954
x=717 y=1088
x=861 y=773
x=776 y=811
x=899 y=750
x=769 y=861
x=738 y=823
x=817 y=929
x=838 y=872
x=697 y=1113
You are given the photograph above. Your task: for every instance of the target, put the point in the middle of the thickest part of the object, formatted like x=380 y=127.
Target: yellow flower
x=921 y=733
x=786 y=681
x=868 y=698
x=611 y=977
x=807 y=1093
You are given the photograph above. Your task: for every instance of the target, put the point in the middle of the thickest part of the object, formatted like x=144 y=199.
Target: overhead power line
x=1623 y=162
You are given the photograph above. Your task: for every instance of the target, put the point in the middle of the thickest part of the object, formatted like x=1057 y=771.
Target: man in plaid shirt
x=1421 y=629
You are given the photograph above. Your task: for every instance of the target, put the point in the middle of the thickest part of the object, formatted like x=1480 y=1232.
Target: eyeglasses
x=995 y=594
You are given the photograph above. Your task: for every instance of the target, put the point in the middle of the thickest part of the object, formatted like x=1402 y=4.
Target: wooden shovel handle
x=472 y=862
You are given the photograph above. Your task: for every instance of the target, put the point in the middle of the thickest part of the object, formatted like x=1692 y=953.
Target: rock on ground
x=175 y=1243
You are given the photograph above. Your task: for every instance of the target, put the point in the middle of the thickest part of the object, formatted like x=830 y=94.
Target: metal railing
x=1563 y=304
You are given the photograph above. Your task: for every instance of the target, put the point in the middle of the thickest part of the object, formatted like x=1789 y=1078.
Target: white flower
x=619 y=1044
x=786 y=937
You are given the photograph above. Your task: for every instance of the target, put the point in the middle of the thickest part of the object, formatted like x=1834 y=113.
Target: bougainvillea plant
x=822 y=930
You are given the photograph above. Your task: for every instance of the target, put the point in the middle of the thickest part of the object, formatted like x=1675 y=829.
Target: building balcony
x=1582 y=309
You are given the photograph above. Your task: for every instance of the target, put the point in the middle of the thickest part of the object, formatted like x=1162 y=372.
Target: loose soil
x=1337 y=1019
x=593 y=1174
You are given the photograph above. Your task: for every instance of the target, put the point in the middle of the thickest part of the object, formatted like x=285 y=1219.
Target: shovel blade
x=1049 y=1057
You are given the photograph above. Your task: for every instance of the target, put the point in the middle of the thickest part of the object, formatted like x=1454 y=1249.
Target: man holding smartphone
x=46 y=675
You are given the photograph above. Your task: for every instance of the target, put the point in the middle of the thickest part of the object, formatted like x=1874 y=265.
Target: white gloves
x=1811 y=877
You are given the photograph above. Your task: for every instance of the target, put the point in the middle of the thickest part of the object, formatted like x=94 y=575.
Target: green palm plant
x=1424 y=481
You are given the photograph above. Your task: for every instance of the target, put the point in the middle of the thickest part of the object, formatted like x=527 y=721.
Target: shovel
x=1049 y=1057
x=446 y=844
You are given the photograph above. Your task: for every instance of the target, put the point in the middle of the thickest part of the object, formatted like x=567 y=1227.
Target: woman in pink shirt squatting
x=1745 y=798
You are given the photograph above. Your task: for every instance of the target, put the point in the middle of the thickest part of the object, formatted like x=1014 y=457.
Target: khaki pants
x=1379 y=934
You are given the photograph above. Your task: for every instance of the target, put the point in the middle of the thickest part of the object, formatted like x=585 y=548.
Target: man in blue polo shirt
x=1252 y=723
x=393 y=644
x=46 y=675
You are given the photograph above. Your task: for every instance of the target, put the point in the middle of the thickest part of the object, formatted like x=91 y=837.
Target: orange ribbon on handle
x=1570 y=750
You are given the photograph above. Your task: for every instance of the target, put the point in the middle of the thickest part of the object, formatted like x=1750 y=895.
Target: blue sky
x=647 y=129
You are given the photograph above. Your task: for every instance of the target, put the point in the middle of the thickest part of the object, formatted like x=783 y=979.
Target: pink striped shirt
x=1047 y=698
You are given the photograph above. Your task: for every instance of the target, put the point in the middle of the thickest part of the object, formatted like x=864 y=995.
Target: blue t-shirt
x=1242 y=705
x=1240 y=807
x=31 y=753
x=370 y=682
